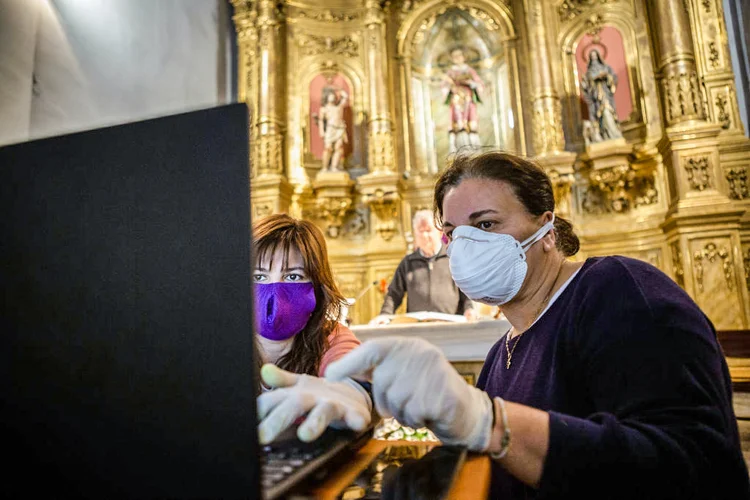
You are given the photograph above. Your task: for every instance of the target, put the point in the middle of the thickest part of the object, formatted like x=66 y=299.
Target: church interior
x=637 y=110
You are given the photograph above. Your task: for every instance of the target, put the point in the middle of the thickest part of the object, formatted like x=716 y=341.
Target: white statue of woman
x=332 y=128
x=598 y=85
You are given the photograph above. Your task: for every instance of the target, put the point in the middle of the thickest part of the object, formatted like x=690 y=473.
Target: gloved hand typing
x=341 y=404
x=413 y=382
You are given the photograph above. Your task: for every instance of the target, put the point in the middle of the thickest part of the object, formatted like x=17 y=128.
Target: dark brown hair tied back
x=530 y=184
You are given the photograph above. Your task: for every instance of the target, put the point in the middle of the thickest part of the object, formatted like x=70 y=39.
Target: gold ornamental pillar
x=379 y=188
x=245 y=17
x=379 y=122
x=702 y=224
x=271 y=191
x=548 y=139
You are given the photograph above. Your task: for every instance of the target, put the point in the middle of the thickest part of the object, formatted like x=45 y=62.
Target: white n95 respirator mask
x=490 y=267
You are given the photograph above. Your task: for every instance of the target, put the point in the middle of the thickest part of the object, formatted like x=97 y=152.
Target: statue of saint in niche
x=462 y=88
x=598 y=86
x=332 y=127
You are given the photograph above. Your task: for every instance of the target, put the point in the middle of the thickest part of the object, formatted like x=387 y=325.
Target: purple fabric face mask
x=282 y=309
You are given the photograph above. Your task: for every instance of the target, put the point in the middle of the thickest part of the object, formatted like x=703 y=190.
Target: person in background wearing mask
x=610 y=383
x=425 y=277
x=297 y=305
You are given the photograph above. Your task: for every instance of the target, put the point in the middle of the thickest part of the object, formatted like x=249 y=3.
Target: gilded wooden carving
x=570 y=9
x=312 y=45
x=677 y=269
x=722 y=111
x=698 y=173
x=737 y=178
x=683 y=97
x=710 y=253
x=673 y=178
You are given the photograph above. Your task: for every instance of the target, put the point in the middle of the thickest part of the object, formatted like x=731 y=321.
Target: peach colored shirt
x=340 y=341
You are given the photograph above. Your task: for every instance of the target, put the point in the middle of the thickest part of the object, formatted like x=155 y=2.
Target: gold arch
x=499 y=13
x=568 y=39
x=318 y=64
x=501 y=16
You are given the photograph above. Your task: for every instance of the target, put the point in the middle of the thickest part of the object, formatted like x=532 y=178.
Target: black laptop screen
x=127 y=353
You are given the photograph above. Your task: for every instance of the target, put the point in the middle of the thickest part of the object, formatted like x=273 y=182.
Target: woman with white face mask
x=610 y=383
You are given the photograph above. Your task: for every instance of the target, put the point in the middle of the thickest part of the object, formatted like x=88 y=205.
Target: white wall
x=100 y=62
x=737 y=18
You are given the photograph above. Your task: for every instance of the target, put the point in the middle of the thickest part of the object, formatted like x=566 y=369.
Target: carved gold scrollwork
x=594 y=25
x=561 y=188
x=713 y=55
x=262 y=210
x=357 y=223
x=385 y=206
x=570 y=9
x=647 y=193
x=373 y=13
x=710 y=253
x=424 y=27
x=722 y=114
x=737 y=178
x=679 y=273
x=311 y=45
x=615 y=182
x=546 y=126
x=707 y=5
x=746 y=265
x=380 y=150
x=268 y=154
x=698 y=174
x=488 y=21
x=327 y=16
x=333 y=210
x=683 y=96
x=350 y=284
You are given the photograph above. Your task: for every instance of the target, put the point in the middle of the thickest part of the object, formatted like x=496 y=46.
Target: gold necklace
x=509 y=349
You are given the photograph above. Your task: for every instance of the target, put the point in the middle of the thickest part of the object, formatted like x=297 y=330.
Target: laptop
x=127 y=364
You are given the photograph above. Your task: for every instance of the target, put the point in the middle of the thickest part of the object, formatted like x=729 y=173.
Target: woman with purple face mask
x=296 y=308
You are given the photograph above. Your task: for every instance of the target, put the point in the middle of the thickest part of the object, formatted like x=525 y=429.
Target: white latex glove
x=413 y=382
x=380 y=319
x=340 y=404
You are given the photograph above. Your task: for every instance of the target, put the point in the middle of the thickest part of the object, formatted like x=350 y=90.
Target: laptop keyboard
x=287 y=455
x=277 y=464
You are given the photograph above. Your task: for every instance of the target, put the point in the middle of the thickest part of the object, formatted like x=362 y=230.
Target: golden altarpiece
x=353 y=114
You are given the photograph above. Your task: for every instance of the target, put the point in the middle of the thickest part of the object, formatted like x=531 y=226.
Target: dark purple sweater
x=636 y=386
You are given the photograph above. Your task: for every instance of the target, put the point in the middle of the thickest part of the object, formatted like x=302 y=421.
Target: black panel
x=126 y=363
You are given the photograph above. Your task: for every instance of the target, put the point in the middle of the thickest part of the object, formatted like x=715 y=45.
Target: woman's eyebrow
x=480 y=213
x=296 y=268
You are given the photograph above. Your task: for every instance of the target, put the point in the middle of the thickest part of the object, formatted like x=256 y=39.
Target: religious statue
x=462 y=88
x=332 y=127
x=598 y=85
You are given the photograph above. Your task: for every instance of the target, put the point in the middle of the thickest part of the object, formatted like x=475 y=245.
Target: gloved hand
x=340 y=404
x=471 y=315
x=413 y=382
x=380 y=319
